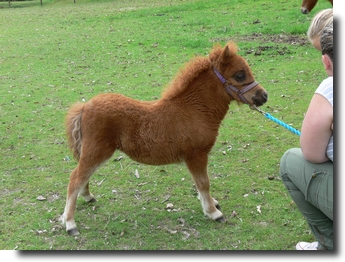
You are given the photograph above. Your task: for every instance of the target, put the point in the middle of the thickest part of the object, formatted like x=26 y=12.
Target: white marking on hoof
x=215 y=202
x=73 y=232
x=71 y=228
x=92 y=200
x=217 y=216
x=89 y=198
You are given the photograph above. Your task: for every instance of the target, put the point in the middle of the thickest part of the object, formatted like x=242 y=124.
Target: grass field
x=54 y=55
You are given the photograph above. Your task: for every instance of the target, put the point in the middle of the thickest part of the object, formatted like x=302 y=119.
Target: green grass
x=57 y=54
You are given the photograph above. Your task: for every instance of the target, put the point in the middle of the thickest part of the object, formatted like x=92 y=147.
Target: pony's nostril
x=265 y=95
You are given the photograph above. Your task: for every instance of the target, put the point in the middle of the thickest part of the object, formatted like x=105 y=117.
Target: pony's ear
x=225 y=56
x=228 y=53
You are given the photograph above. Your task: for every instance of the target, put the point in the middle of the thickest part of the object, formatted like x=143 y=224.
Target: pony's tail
x=73 y=129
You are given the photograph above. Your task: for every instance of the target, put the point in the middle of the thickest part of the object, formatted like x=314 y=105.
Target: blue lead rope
x=293 y=130
x=267 y=115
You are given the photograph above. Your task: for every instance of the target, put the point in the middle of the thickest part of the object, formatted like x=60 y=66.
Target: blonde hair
x=326 y=41
x=320 y=21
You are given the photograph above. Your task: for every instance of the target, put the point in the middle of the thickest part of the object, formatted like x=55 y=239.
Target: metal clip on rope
x=267 y=115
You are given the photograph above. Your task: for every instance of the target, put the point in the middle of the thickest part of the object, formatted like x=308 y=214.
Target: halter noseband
x=230 y=87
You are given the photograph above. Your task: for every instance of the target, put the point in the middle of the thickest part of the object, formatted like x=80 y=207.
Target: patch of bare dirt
x=260 y=38
x=271 y=45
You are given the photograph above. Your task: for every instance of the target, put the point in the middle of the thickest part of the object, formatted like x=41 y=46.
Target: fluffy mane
x=193 y=69
x=186 y=75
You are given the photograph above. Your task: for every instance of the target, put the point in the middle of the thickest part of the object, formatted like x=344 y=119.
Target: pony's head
x=307 y=6
x=235 y=74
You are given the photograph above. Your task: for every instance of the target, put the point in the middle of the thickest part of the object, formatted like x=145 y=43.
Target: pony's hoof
x=92 y=200
x=221 y=219
x=73 y=232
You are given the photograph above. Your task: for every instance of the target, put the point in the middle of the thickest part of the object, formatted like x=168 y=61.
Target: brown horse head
x=308 y=5
x=235 y=74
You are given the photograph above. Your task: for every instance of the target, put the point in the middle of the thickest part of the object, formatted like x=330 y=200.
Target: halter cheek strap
x=229 y=87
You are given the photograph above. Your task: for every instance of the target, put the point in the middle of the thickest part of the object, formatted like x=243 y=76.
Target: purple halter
x=230 y=87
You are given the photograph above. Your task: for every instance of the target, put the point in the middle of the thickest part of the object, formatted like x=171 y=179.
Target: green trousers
x=311 y=188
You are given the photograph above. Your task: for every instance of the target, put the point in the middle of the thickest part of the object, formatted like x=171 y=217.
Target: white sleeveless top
x=326 y=90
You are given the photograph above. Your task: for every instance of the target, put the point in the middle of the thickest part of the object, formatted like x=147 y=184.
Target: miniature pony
x=182 y=126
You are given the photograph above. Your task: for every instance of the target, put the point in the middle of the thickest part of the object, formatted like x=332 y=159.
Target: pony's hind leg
x=79 y=183
x=198 y=168
x=216 y=203
x=85 y=192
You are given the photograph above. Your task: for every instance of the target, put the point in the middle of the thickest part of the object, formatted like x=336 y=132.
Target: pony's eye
x=240 y=76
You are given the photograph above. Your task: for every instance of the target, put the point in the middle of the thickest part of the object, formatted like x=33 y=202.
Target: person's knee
x=287 y=161
x=284 y=162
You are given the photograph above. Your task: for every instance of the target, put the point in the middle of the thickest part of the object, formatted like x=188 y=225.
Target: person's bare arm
x=316 y=131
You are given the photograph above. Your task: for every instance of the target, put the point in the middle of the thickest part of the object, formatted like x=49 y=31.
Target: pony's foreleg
x=198 y=168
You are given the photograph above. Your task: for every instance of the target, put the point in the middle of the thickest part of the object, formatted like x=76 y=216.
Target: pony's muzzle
x=260 y=98
x=304 y=10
